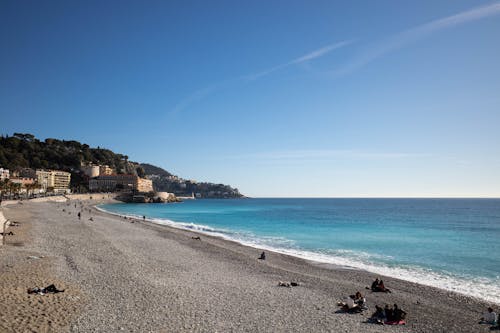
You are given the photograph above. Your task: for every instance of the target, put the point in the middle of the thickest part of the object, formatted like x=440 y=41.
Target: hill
x=154 y=170
x=26 y=151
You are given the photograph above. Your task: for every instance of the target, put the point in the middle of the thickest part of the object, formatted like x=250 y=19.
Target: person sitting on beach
x=378 y=317
x=398 y=313
x=350 y=305
x=382 y=287
x=489 y=317
x=389 y=314
x=360 y=300
x=378 y=286
x=262 y=256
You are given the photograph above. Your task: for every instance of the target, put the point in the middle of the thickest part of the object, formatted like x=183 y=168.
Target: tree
x=4 y=187
x=13 y=188
x=31 y=187
x=140 y=172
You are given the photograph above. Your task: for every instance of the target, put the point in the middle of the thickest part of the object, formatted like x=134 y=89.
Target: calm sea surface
x=452 y=244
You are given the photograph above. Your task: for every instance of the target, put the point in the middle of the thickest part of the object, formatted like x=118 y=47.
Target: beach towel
x=400 y=322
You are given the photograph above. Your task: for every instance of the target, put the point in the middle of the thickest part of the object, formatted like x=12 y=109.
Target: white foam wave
x=481 y=288
x=179 y=225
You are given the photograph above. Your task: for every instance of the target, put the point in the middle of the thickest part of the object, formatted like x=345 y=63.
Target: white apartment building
x=4 y=174
x=59 y=180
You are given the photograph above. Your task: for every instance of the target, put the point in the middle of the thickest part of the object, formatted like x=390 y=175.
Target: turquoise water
x=452 y=244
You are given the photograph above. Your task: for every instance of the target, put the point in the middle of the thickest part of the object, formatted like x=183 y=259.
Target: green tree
x=140 y=172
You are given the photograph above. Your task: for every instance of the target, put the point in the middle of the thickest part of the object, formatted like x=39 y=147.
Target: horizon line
x=388 y=197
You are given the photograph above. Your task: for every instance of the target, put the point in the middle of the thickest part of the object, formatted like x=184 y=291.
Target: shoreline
x=426 y=279
x=137 y=276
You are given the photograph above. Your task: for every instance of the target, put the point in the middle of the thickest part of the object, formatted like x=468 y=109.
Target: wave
x=486 y=289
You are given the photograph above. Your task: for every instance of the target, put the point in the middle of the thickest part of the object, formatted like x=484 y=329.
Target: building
x=44 y=178
x=24 y=182
x=113 y=182
x=58 y=180
x=91 y=171
x=144 y=185
x=4 y=174
x=105 y=170
x=61 y=181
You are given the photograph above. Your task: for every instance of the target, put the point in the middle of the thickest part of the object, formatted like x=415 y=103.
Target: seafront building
x=144 y=185
x=61 y=180
x=24 y=182
x=93 y=171
x=112 y=182
x=4 y=174
x=58 y=180
x=44 y=179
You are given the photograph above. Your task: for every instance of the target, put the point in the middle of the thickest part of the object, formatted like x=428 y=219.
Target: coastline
x=140 y=276
x=466 y=286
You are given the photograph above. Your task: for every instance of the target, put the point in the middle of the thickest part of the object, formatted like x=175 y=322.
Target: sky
x=276 y=98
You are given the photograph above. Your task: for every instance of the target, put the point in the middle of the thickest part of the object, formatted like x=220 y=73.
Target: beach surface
x=122 y=274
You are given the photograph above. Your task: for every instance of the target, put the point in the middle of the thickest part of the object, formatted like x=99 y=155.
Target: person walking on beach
x=79 y=216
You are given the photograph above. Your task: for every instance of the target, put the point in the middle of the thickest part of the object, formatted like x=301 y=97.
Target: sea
x=452 y=244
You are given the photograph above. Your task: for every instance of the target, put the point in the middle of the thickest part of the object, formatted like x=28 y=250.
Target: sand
x=133 y=276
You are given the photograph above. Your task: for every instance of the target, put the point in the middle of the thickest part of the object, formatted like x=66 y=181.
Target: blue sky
x=277 y=98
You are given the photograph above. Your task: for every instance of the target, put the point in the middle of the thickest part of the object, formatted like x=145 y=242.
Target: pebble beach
x=121 y=274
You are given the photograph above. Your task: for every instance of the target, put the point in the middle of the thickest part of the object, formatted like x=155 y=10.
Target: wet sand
x=133 y=276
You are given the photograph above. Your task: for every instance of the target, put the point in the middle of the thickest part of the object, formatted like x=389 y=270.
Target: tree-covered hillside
x=25 y=151
x=154 y=170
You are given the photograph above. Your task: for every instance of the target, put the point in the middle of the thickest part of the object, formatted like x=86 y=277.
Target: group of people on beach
x=378 y=286
x=388 y=315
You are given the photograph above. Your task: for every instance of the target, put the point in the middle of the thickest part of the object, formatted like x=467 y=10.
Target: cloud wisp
x=391 y=44
x=413 y=34
x=204 y=92
x=305 y=58
x=194 y=97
